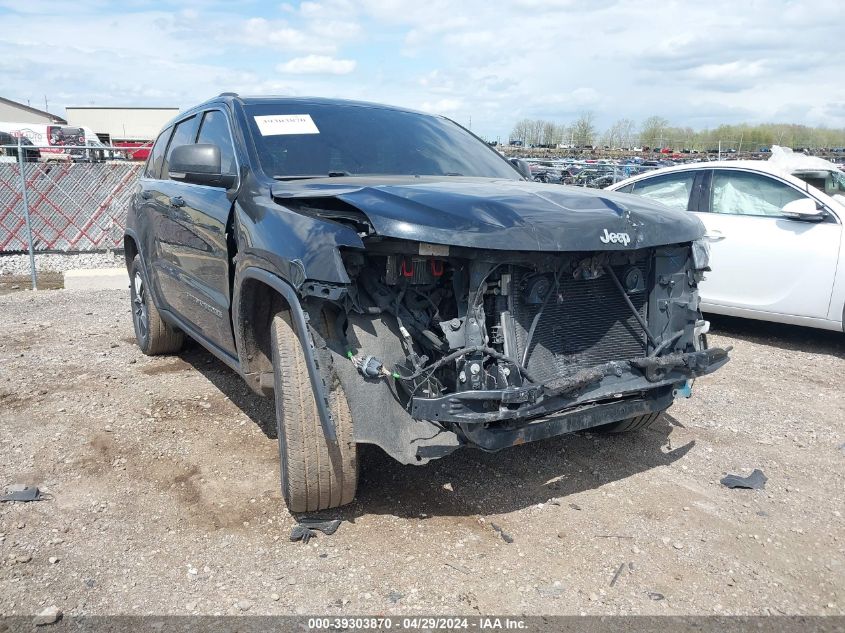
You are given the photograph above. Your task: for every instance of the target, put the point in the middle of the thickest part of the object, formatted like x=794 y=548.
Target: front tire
x=631 y=424
x=152 y=334
x=316 y=474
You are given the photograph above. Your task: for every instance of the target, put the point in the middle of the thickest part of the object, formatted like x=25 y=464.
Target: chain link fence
x=73 y=207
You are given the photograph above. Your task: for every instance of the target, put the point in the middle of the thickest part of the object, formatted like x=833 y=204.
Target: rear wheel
x=152 y=334
x=631 y=424
x=316 y=474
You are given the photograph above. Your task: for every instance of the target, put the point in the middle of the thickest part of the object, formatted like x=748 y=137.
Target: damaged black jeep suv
x=390 y=279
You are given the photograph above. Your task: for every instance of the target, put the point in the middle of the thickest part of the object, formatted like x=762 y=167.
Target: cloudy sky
x=482 y=63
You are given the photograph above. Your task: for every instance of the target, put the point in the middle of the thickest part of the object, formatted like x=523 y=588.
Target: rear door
x=193 y=235
x=761 y=260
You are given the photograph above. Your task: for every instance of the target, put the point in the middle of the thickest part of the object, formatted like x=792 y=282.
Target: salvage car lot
x=165 y=497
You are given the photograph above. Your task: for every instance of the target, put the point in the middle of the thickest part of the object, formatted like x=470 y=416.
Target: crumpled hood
x=501 y=214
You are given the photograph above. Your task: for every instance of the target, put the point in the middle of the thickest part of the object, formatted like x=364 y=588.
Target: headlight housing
x=701 y=255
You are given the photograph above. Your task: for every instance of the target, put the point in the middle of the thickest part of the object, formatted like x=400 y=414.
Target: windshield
x=317 y=140
x=830 y=182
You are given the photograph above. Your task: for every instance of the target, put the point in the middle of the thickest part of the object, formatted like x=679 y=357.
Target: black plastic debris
x=20 y=492
x=507 y=538
x=305 y=530
x=755 y=481
x=617 y=574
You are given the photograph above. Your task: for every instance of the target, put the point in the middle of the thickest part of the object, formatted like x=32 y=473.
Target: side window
x=156 y=156
x=744 y=193
x=214 y=129
x=183 y=134
x=626 y=189
x=673 y=190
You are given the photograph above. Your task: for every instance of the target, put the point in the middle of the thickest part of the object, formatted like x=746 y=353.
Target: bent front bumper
x=496 y=437
x=617 y=380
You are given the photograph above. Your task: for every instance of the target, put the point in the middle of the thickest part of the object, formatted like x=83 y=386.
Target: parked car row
x=595 y=174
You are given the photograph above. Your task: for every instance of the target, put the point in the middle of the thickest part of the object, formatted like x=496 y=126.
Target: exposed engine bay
x=491 y=340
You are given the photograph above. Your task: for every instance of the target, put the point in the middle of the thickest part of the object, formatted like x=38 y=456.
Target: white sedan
x=775 y=233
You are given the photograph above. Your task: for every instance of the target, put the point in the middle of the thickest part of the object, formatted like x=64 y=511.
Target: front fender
x=294 y=246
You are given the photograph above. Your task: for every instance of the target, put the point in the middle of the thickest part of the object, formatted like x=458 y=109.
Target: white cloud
x=442 y=106
x=317 y=65
x=261 y=32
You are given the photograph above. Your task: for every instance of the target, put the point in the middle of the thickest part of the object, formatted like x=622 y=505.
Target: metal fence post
x=25 y=201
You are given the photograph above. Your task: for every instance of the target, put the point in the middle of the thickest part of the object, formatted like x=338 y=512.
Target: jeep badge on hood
x=615 y=238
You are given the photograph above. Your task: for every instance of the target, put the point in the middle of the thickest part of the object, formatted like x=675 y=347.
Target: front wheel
x=316 y=474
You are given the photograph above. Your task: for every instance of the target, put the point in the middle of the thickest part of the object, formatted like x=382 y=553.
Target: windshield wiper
x=331 y=174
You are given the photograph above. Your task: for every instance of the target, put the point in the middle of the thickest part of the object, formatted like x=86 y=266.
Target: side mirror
x=804 y=209
x=198 y=164
x=522 y=167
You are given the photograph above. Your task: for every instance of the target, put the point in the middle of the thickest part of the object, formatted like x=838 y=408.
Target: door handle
x=177 y=201
x=146 y=195
x=714 y=236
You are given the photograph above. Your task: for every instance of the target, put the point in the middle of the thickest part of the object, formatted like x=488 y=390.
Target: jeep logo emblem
x=615 y=238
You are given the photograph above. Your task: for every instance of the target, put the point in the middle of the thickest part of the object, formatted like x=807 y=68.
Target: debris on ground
x=617 y=574
x=305 y=530
x=22 y=492
x=613 y=536
x=755 y=481
x=48 y=615
x=460 y=568
x=507 y=538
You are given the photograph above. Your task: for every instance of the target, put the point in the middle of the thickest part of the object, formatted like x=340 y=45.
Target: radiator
x=588 y=323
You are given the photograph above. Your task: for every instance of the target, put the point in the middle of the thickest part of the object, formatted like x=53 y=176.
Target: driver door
x=762 y=261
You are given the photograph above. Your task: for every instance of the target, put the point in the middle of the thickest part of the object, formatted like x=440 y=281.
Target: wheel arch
x=256 y=302
x=259 y=295
x=130 y=249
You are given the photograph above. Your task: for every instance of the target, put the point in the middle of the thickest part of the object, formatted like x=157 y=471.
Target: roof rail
x=228 y=94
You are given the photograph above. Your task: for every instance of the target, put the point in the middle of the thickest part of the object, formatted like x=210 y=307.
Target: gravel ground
x=164 y=481
x=59 y=262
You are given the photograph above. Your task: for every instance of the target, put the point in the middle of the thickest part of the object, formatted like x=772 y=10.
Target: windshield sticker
x=274 y=124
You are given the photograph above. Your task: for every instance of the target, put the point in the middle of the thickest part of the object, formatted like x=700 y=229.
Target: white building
x=19 y=113
x=121 y=124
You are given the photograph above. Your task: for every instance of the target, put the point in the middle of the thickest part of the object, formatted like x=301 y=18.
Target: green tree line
x=656 y=131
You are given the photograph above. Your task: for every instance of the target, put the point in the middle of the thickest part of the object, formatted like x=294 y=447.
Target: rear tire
x=631 y=424
x=316 y=474
x=152 y=334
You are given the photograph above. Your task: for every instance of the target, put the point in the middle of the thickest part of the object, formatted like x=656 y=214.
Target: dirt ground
x=164 y=497
x=19 y=283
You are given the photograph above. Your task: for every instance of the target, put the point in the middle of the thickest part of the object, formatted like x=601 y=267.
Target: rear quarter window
x=154 y=160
